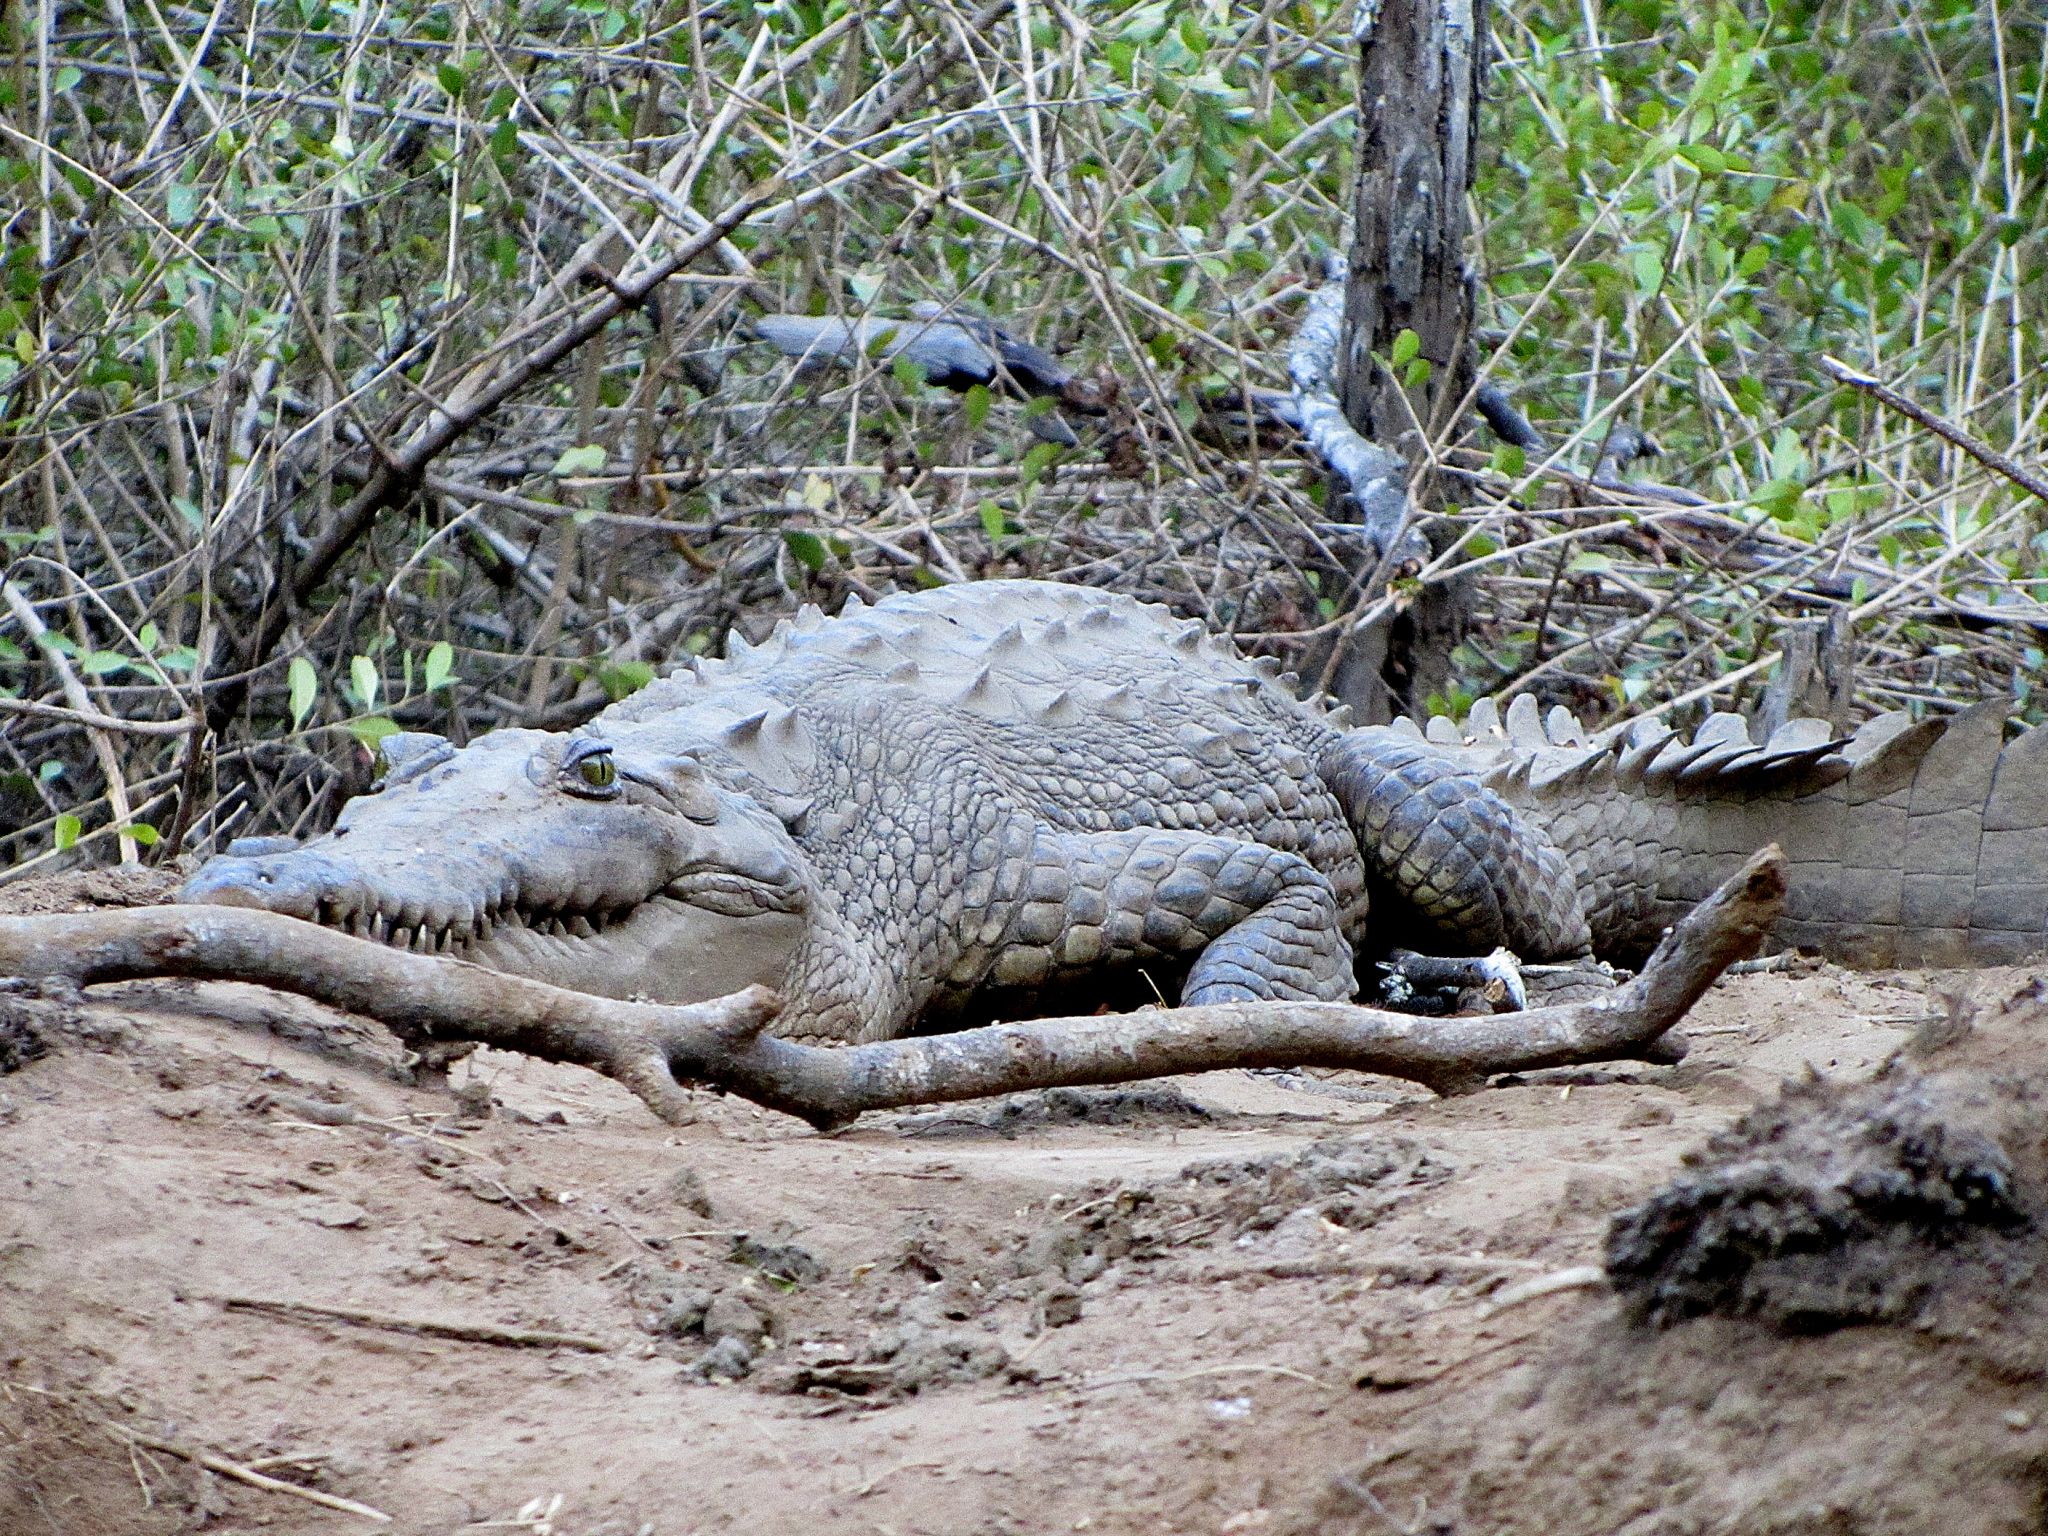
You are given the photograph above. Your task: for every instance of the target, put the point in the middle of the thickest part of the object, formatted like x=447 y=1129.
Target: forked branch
x=654 y=1050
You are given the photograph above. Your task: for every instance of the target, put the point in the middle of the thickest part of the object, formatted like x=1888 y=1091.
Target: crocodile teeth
x=579 y=927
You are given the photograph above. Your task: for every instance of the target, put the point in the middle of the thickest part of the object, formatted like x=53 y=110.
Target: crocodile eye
x=597 y=771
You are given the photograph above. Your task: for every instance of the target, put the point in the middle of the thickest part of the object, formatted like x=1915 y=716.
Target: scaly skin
x=984 y=800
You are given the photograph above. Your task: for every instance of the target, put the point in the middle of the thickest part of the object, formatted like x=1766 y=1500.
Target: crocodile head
x=588 y=863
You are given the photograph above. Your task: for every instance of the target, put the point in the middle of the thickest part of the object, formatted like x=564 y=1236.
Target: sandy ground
x=1230 y=1303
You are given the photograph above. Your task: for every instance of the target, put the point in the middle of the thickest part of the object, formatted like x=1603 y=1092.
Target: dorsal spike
x=1560 y=769
x=869 y=644
x=1099 y=618
x=1442 y=730
x=1340 y=717
x=905 y=671
x=1405 y=728
x=1190 y=636
x=1563 y=728
x=1054 y=633
x=737 y=645
x=1722 y=726
x=1060 y=709
x=1525 y=722
x=746 y=731
x=853 y=607
x=1008 y=638
x=1638 y=750
x=809 y=617
x=1122 y=703
x=1796 y=735
x=1267 y=668
x=1484 y=720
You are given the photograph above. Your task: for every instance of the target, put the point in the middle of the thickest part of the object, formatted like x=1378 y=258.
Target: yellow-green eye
x=597 y=771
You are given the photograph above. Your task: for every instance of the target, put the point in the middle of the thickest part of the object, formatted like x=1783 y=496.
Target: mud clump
x=1825 y=1208
x=1350 y=1181
x=1063 y=1106
x=23 y=1035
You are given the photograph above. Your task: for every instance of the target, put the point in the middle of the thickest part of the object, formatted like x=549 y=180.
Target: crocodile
x=1008 y=798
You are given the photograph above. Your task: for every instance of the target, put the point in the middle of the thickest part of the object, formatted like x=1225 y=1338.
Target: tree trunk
x=1420 y=69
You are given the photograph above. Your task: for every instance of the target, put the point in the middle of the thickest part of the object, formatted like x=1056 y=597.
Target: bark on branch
x=723 y=1044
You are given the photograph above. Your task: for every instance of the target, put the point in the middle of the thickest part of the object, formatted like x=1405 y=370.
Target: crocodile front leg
x=1255 y=922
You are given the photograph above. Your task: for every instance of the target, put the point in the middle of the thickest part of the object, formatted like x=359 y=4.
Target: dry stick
x=81 y=703
x=468 y=1333
x=249 y=1475
x=722 y=1043
x=1975 y=447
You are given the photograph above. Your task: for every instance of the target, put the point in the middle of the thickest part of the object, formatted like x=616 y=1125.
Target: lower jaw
x=666 y=952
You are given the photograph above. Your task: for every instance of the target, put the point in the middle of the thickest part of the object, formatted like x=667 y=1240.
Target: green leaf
x=102 y=663
x=50 y=771
x=148 y=637
x=451 y=78
x=66 y=78
x=1407 y=347
x=372 y=729
x=68 y=828
x=807 y=547
x=305 y=686
x=992 y=520
x=906 y=371
x=1417 y=373
x=1509 y=459
x=1036 y=461
x=440 y=666
x=587 y=459
x=622 y=678
x=144 y=833
x=1788 y=456
x=1705 y=157
x=181 y=202
x=1648 y=267
x=362 y=673
x=976 y=404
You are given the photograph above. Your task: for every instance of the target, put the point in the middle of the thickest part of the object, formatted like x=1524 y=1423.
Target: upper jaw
x=307 y=883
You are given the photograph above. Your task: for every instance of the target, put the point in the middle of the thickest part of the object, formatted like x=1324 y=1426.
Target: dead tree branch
x=723 y=1044
x=1998 y=463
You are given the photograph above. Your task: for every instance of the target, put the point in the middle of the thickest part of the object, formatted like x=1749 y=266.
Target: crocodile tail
x=1910 y=842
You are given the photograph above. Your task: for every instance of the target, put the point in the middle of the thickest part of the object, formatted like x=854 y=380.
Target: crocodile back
x=1084 y=710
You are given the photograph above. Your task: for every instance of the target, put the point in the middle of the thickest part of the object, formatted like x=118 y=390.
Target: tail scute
x=1910 y=842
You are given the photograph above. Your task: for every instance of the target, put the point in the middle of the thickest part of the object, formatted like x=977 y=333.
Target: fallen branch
x=241 y=1474
x=467 y=1333
x=654 y=1049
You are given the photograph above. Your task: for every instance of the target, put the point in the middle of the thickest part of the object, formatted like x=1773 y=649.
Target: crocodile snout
x=293 y=881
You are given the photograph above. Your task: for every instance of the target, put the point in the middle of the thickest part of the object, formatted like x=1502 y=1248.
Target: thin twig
x=1998 y=463
x=213 y=1461
x=468 y=1333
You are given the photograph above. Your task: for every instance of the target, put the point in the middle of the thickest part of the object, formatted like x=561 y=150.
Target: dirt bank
x=1230 y=1303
